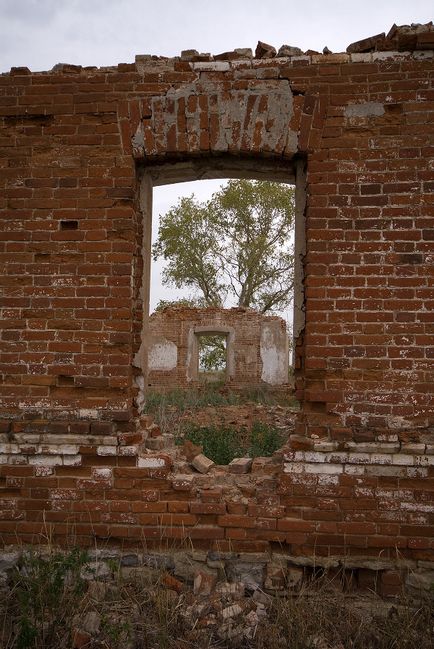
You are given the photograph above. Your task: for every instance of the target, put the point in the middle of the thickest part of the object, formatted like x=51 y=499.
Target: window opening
x=162 y=188
x=212 y=358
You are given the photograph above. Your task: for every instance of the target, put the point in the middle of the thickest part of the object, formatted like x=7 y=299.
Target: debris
x=188 y=55
x=289 y=50
x=231 y=611
x=240 y=465
x=400 y=38
x=244 y=52
x=92 y=622
x=172 y=583
x=367 y=44
x=204 y=583
x=238 y=53
x=235 y=589
x=80 y=639
x=265 y=51
x=191 y=450
x=202 y=463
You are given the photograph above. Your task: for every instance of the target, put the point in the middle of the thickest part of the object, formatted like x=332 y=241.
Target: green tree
x=212 y=353
x=237 y=246
x=182 y=302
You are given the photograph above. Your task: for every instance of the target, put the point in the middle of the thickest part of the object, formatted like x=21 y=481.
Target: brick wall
x=256 y=347
x=74 y=143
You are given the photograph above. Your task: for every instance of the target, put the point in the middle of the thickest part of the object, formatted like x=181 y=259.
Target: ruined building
x=80 y=151
x=256 y=347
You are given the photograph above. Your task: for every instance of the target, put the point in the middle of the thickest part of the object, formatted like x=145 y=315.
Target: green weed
x=45 y=589
x=224 y=443
x=265 y=440
x=221 y=444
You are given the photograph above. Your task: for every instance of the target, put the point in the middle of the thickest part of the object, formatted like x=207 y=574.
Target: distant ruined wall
x=257 y=347
x=80 y=149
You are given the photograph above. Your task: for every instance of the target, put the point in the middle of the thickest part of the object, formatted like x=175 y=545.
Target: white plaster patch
x=151 y=462
x=72 y=460
x=45 y=460
x=328 y=480
x=274 y=354
x=106 y=450
x=163 y=356
x=88 y=413
x=42 y=471
x=293 y=467
x=102 y=473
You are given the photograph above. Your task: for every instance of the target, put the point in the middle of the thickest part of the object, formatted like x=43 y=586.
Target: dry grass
x=318 y=618
x=170 y=410
x=137 y=608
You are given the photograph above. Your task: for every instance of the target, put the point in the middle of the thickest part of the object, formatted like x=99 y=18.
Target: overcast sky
x=40 y=33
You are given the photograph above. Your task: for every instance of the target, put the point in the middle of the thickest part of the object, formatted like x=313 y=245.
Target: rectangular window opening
x=212 y=358
x=189 y=339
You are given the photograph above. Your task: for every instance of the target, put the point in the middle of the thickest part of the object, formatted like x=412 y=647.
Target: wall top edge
x=156 y=64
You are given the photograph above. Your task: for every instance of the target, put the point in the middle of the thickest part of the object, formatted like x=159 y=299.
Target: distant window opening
x=212 y=358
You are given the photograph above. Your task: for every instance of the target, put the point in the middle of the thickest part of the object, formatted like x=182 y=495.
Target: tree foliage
x=186 y=302
x=236 y=247
x=212 y=353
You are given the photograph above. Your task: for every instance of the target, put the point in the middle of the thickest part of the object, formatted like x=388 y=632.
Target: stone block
x=289 y=50
x=251 y=574
x=202 y=463
x=295 y=577
x=235 y=589
x=203 y=583
x=155 y=443
x=265 y=51
x=240 y=465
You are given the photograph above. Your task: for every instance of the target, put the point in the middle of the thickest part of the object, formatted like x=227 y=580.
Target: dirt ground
x=244 y=415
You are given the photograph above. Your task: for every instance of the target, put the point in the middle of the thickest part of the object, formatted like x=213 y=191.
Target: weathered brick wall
x=256 y=352
x=74 y=144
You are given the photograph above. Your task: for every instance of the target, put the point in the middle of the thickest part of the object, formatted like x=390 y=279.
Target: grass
x=220 y=443
x=210 y=395
x=224 y=443
x=44 y=590
x=322 y=618
x=190 y=399
x=169 y=408
x=49 y=599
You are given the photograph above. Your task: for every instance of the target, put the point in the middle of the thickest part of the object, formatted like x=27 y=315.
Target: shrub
x=219 y=444
x=224 y=443
x=265 y=440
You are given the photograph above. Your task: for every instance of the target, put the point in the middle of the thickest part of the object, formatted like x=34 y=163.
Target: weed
x=169 y=409
x=184 y=400
x=224 y=443
x=220 y=444
x=265 y=440
x=48 y=596
x=45 y=589
x=117 y=631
